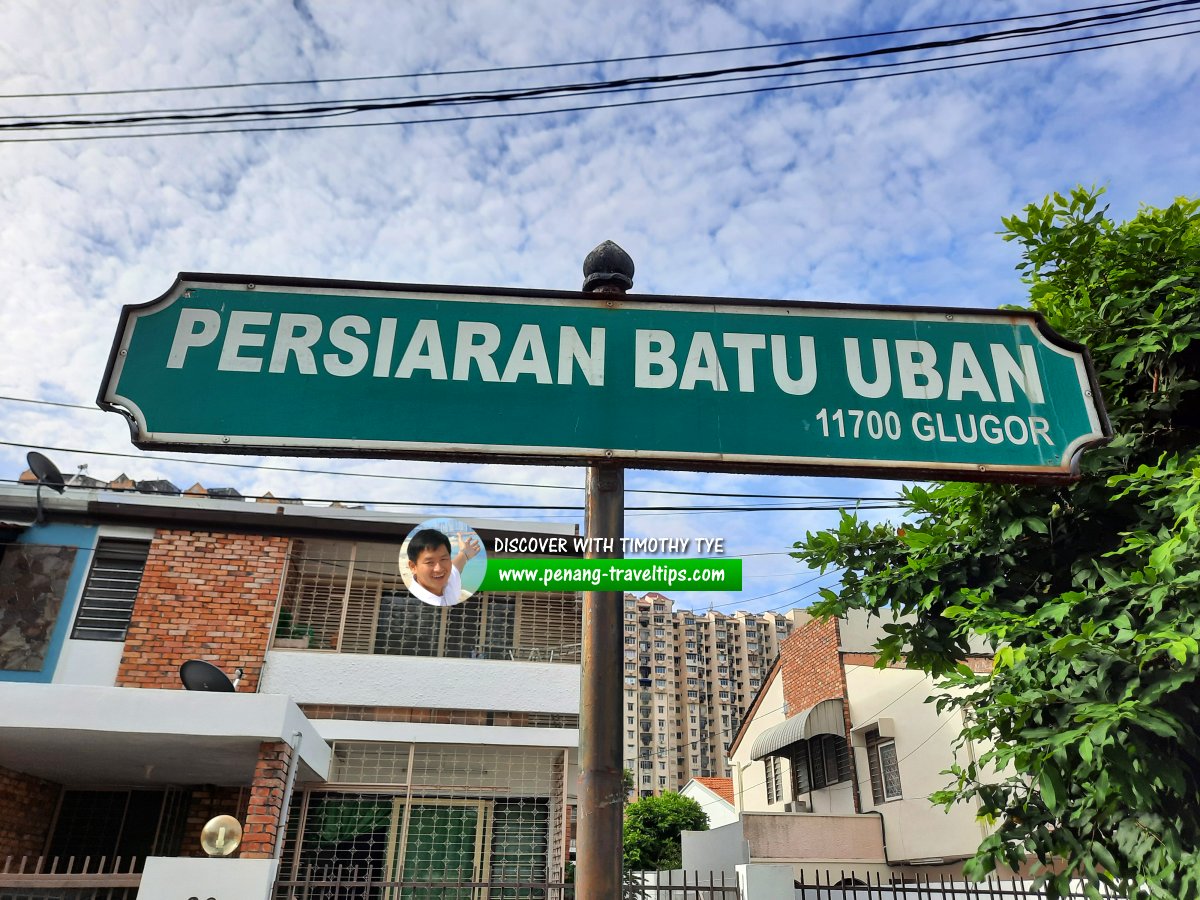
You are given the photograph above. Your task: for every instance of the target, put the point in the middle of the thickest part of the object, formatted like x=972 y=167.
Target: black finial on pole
x=608 y=268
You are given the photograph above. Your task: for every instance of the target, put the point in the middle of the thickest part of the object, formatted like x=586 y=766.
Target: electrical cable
x=573 y=64
x=423 y=504
x=172 y=117
x=588 y=108
x=563 y=487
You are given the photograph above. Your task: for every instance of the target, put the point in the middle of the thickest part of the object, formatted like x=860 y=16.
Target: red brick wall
x=811 y=665
x=261 y=827
x=26 y=811
x=203 y=596
x=812 y=671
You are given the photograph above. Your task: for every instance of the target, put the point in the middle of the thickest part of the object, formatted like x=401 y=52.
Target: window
x=774 y=777
x=125 y=823
x=818 y=763
x=884 y=766
x=112 y=586
x=349 y=597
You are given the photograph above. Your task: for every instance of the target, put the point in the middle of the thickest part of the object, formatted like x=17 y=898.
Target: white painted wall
x=148 y=727
x=763 y=881
x=749 y=776
x=716 y=850
x=719 y=810
x=94 y=662
x=89 y=662
x=915 y=828
x=219 y=879
x=425 y=733
x=371 y=680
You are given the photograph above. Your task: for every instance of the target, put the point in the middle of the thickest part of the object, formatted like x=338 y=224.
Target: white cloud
x=887 y=191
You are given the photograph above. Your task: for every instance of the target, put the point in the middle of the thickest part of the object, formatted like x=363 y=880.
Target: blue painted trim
x=83 y=538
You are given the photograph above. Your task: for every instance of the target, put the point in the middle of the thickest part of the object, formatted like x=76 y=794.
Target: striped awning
x=824 y=718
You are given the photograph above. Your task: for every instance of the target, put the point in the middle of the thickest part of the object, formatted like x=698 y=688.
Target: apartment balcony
x=148 y=737
x=794 y=837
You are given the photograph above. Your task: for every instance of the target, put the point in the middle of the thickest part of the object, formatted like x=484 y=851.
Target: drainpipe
x=883 y=833
x=297 y=737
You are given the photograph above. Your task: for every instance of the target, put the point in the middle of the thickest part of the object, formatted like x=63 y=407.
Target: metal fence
x=75 y=878
x=355 y=883
x=849 y=885
x=680 y=884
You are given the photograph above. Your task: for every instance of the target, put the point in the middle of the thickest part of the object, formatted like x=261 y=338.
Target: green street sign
x=330 y=368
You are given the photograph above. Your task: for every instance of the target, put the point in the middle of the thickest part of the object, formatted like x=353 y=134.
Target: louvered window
x=112 y=586
x=774 y=773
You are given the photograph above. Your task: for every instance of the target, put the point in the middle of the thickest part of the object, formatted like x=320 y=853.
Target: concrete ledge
x=109 y=735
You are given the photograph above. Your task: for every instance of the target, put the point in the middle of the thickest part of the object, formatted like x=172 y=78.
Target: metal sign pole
x=608 y=269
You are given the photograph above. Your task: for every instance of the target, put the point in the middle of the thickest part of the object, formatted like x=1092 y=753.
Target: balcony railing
x=73 y=878
x=349 y=598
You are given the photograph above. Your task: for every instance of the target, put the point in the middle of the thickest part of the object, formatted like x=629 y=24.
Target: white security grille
x=349 y=597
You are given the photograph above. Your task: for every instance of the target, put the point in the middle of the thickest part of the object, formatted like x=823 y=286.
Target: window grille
x=349 y=597
x=99 y=826
x=884 y=767
x=111 y=589
x=442 y=814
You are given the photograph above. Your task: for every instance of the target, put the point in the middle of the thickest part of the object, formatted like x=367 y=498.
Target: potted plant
x=289 y=635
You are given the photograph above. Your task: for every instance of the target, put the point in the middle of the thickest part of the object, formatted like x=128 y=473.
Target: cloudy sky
x=875 y=190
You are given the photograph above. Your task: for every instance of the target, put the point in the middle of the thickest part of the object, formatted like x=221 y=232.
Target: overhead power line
x=742 y=495
x=303 y=110
x=837 y=501
x=260 y=112
x=574 y=109
x=333 y=110
x=424 y=504
x=779 y=45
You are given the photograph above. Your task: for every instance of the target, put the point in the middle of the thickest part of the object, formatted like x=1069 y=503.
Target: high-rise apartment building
x=689 y=679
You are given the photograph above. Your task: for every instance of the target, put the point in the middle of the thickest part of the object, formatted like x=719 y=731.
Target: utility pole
x=607 y=270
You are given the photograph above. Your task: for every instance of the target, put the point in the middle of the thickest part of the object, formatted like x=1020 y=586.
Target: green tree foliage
x=652 y=827
x=627 y=781
x=1089 y=591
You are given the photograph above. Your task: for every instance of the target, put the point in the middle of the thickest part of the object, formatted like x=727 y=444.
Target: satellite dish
x=198 y=675
x=47 y=474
